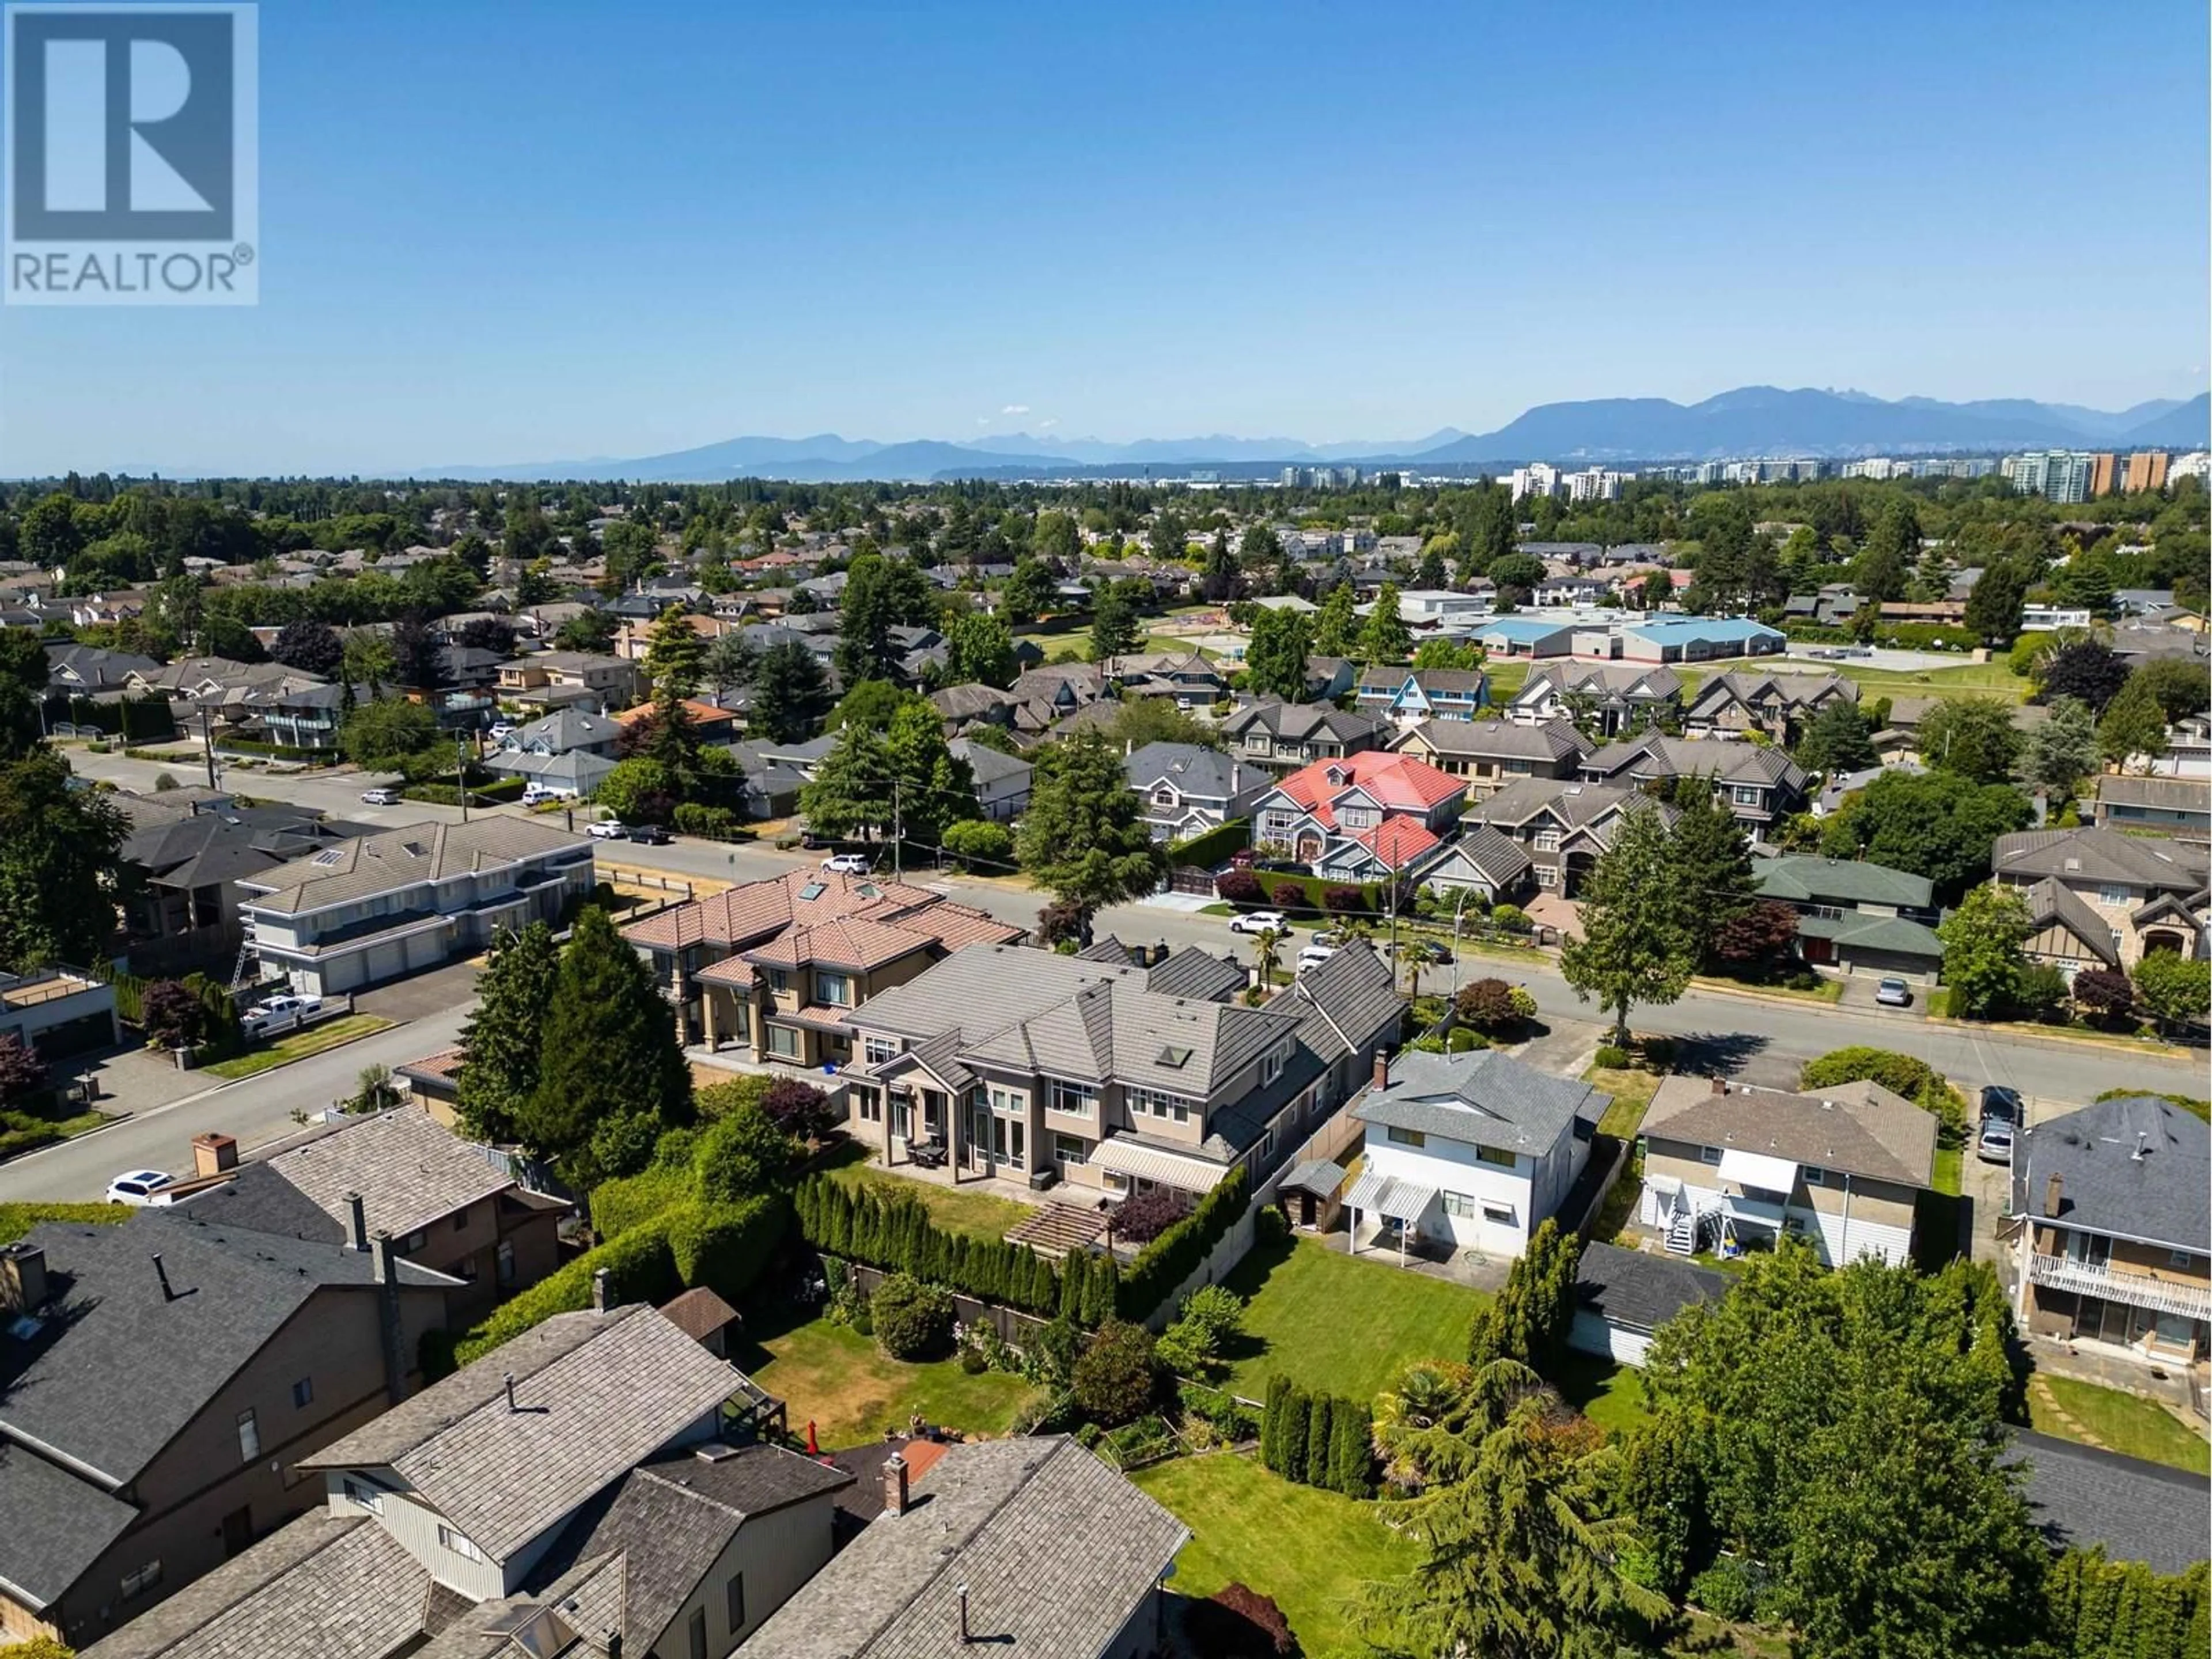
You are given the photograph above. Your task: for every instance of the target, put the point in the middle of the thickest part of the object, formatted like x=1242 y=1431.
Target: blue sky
x=498 y=232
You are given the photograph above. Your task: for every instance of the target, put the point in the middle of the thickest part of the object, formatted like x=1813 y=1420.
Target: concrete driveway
x=1859 y=994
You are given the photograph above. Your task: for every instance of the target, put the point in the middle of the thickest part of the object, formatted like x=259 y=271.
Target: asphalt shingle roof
x=2082 y=1498
x=1554 y=740
x=1841 y=881
x=405 y=857
x=58 y=1525
x=2160 y=1196
x=1054 y=1549
x=1860 y=1128
x=1483 y=1097
x=1638 y=1289
x=2092 y=855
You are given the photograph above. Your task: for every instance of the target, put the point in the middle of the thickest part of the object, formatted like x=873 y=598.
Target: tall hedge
x=1352 y=1449
x=1318 y=1440
x=1320 y=1420
x=894 y=1231
x=1162 y=1265
x=2101 y=1609
x=1271 y=1422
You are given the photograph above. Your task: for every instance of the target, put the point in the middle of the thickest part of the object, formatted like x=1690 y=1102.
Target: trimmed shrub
x=1143 y=1217
x=1237 y=1623
x=1287 y=896
x=712 y=822
x=912 y=1320
x=1904 y=1074
x=1723 y=1590
x=892 y=1230
x=1343 y=901
x=1512 y=919
x=725 y=1246
x=1240 y=887
x=1162 y=1265
x=1462 y=1040
x=619 y=1205
x=1215 y=846
x=798 y=1108
x=1486 y=1005
x=743 y=1155
x=719 y=1100
x=1614 y=1060
x=1117 y=1375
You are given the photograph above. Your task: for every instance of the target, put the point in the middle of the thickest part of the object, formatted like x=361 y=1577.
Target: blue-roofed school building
x=1525 y=636
x=1698 y=639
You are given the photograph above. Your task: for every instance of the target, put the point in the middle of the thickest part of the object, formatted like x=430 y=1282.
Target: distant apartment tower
x=2196 y=464
x=1944 y=466
x=1537 y=478
x=2103 y=473
x=1298 y=477
x=1877 y=467
x=2057 y=474
x=1594 y=484
x=2147 y=469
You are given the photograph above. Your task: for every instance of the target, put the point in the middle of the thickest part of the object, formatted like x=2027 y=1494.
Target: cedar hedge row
x=896 y=1234
x=1318 y=1440
x=1162 y=1265
x=1215 y=846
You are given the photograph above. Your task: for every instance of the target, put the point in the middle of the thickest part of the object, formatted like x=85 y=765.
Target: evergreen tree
x=1083 y=838
x=1335 y=625
x=1972 y=737
x=1320 y=1440
x=1113 y=630
x=1432 y=573
x=1639 y=943
x=1386 y=638
x=1275 y=661
x=675 y=656
x=2062 y=750
x=850 y=794
x=880 y=594
x=2133 y=730
x=935 y=786
x=609 y=1054
x=791 y=693
x=1028 y=594
x=1351 y=1454
x=1271 y=1422
x=503 y=1042
x=1710 y=857
x=1890 y=553
x=1223 y=579
x=979 y=650
x=1993 y=604
x=1297 y=1413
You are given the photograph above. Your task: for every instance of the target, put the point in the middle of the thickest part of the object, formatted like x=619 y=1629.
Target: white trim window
x=1075 y=1099
x=459 y=1544
x=879 y=1051
x=1158 y=1102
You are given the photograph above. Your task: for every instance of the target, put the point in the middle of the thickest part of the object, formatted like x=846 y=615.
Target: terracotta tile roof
x=1396 y=782
x=444 y=1066
x=706 y=712
x=1397 y=842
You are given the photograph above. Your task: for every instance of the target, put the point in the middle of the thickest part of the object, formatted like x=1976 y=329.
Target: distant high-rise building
x=1537 y=478
x=1594 y=484
x=2057 y=474
x=2196 y=464
x=2147 y=469
x=2103 y=473
x=1877 y=467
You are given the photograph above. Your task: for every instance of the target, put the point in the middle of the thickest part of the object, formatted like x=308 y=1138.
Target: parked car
x=535 y=794
x=500 y=731
x=609 y=830
x=1313 y=955
x=847 y=863
x=137 y=1187
x=1994 y=1144
x=2002 y=1104
x=652 y=835
x=1894 y=993
x=380 y=797
x=287 y=1004
x=1260 y=922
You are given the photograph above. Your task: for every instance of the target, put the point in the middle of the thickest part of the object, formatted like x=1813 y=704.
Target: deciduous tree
x=1982 y=940
x=311 y=646
x=1275 y=661
x=1837 y=740
x=1972 y=737
x=2133 y=730
x=61 y=869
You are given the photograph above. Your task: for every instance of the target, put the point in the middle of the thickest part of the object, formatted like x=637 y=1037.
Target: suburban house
x=1030 y=1545
x=409 y=899
x=1616 y=698
x=2180 y=807
x=1780 y=706
x=450 y=1206
x=1484 y=861
x=710 y=724
x=1697 y=639
x=1762 y=786
x=1491 y=754
x=1563 y=827
x=1407 y=696
x=1188 y=679
x=1109 y=1076
x=159 y=1381
x=776 y=968
x=1002 y=781
x=561 y=679
x=573 y=1493
x=57 y=1011
x=1288 y=735
x=1365 y=815
x=564 y=731
x=1474 y=1151
x=1728 y=1166
x=1623 y=1297
x=1856 y=917
x=182 y=912
x=298 y=714
x=2108 y=1229
x=574 y=774
x=2098 y=896
x=1187 y=789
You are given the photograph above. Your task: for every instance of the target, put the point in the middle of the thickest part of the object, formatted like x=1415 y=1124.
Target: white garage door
x=1590 y=1334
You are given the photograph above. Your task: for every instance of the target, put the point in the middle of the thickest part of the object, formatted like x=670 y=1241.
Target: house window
x=505 y=1258
x=1499 y=1214
x=1547 y=875
x=778 y=981
x=137 y=1583
x=836 y=990
x=1071 y=1149
x=2184 y=1259
x=879 y=1051
x=1709 y=1155
x=698 y=1633
x=1073 y=1098
x=869 y=1104
x=733 y=1599
x=1496 y=1157
x=1747 y=795
x=1547 y=841
x=783 y=1043
x=1163 y=798
x=1460 y=1205
x=459 y=1544
x=461 y=1221
x=366 y=1495
x=1159 y=1103
x=1815 y=1176
x=1005 y=1100
x=303 y=1391
x=1399 y=1137
x=1271 y=1066
x=2111 y=895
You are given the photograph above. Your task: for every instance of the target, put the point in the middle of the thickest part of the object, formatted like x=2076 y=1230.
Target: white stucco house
x=1467 y=1152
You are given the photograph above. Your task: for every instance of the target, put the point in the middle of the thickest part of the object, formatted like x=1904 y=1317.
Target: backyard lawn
x=1631 y=1093
x=1340 y=1323
x=1309 y=1549
x=1988 y=679
x=975 y=1212
x=851 y=1391
x=298 y=1045
x=2122 y=1423
x=1606 y=1394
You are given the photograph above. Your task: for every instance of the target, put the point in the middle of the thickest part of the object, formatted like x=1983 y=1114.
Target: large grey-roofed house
x=1491 y=754
x=1187 y=789
x=1857 y=916
x=1021 y=1547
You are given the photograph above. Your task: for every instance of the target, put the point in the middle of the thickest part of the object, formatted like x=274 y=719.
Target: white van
x=537 y=794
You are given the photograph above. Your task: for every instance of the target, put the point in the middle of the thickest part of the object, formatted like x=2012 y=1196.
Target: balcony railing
x=2165 y=1296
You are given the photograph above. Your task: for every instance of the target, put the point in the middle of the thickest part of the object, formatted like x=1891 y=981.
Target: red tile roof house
x=1361 y=817
x=775 y=967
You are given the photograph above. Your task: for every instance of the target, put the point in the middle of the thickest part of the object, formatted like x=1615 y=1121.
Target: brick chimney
x=1720 y=1086
x=1381 y=1069
x=214 y=1154
x=2053 y=1190
x=23 y=1277
x=894 y=1493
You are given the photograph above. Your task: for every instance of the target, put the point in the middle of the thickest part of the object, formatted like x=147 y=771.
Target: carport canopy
x=1774 y=1175
x=1389 y=1198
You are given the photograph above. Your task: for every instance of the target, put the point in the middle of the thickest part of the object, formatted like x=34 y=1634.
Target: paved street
x=1762 y=1039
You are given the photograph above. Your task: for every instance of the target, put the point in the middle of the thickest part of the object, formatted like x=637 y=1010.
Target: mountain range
x=1748 y=421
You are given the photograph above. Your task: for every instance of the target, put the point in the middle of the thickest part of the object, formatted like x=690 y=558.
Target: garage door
x=1591 y=1334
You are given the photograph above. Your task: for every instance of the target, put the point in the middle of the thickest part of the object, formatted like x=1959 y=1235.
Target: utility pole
x=898 y=837
x=461 y=772
x=207 y=742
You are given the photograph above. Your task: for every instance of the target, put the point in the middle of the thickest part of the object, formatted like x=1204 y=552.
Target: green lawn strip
x=1947 y=1164
x=1631 y=1093
x=977 y=1214
x=1828 y=990
x=1993 y=678
x=17 y=1219
x=1309 y=1549
x=1341 y=1324
x=2122 y=1423
x=832 y=1376
x=298 y=1045
x=1606 y=1394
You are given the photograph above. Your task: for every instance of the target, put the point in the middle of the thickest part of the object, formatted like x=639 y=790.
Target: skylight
x=1175 y=1057
x=814 y=889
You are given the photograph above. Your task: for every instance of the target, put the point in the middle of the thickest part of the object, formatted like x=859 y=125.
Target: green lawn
x=851 y=1391
x=1605 y=1393
x=975 y=1212
x=1631 y=1093
x=1946 y=1170
x=298 y=1045
x=1340 y=1323
x=1311 y=1550
x=1993 y=679
x=2122 y=1423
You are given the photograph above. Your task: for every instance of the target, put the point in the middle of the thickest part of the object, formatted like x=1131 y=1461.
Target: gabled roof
x=1054 y=1550
x=410 y=855
x=1192 y=972
x=1397 y=842
x=2092 y=855
x=1345 y=1003
x=1192 y=769
x=2082 y=1498
x=1482 y=1097
x=1599 y=679
x=1497 y=859
x=1394 y=782
x=1720 y=759
x=757 y=912
x=1301 y=722
x=1553 y=741
x=1639 y=1291
x=1841 y=881
x=1792 y=693
x=2135 y=1166
x=1859 y=1128
x=2051 y=900
x=593 y=1395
